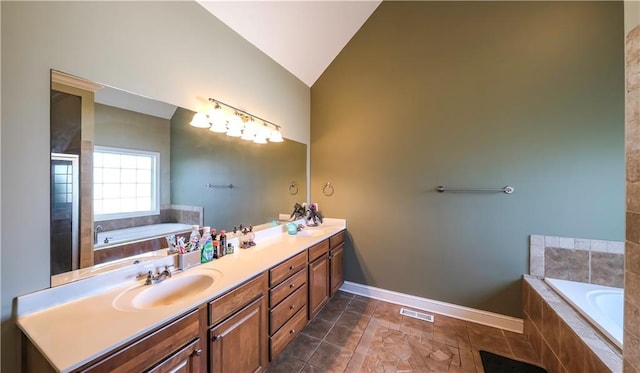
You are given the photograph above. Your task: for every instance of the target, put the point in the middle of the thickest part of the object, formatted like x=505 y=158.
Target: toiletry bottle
x=216 y=249
x=251 y=236
x=230 y=248
x=194 y=238
x=206 y=234
x=206 y=247
x=223 y=240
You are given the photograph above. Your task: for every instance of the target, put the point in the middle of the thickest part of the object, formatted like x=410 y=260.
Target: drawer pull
x=197 y=352
x=292 y=331
x=216 y=338
x=292 y=307
x=291 y=268
x=292 y=286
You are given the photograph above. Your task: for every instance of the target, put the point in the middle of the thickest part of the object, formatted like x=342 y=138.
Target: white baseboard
x=495 y=320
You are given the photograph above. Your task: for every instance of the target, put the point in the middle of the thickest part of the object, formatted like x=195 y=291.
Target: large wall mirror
x=127 y=170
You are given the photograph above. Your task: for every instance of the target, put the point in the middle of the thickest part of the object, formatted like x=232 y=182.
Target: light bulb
x=260 y=139
x=217 y=119
x=200 y=120
x=235 y=126
x=249 y=130
x=275 y=136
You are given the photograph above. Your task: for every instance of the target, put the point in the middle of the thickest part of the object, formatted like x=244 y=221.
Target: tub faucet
x=99 y=228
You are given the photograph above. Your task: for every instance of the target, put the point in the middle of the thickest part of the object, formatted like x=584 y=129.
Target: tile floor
x=358 y=334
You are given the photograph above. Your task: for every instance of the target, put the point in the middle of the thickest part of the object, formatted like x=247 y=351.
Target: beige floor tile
x=388 y=312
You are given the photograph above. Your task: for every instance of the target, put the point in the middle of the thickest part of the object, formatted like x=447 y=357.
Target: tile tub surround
x=168 y=214
x=55 y=319
x=358 y=334
x=577 y=259
x=561 y=337
x=632 y=148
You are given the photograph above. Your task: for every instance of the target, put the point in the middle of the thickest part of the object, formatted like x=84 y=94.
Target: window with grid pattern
x=125 y=183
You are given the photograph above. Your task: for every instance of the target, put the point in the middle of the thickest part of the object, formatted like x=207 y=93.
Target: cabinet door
x=239 y=344
x=318 y=285
x=336 y=258
x=187 y=360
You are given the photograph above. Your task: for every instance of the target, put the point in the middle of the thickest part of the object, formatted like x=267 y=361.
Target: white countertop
x=74 y=333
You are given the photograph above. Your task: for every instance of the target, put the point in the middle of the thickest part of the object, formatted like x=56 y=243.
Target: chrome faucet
x=99 y=228
x=158 y=277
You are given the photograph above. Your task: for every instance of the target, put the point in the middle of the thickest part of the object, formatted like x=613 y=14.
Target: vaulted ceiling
x=302 y=36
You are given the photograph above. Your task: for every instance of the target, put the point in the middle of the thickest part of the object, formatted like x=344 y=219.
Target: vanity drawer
x=285 y=269
x=290 y=285
x=336 y=239
x=318 y=250
x=147 y=351
x=287 y=308
x=288 y=331
x=226 y=305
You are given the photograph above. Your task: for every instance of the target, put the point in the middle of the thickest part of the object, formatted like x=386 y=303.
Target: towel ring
x=328 y=189
x=293 y=188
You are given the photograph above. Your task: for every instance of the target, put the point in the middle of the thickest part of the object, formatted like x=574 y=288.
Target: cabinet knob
x=292 y=285
x=292 y=306
x=216 y=338
x=291 y=268
x=197 y=352
x=330 y=256
x=292 y=331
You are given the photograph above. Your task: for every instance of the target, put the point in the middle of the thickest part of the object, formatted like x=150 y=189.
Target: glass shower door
x=64 y=213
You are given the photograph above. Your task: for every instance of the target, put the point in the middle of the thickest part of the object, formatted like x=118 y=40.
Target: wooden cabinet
x=288 y=302
x=318 y=277
x=238 y=343
x=288 y=331
x=287 y=268
x=336 y=261
x=174 y=347
x=238 y=337
x=186 y=360
x=239 y=331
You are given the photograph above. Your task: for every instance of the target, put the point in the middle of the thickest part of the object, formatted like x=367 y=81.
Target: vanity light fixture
x=217 y=119
x=200 y=120
x=236 y=123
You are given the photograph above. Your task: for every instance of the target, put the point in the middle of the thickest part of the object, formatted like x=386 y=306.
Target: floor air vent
x=416 y=315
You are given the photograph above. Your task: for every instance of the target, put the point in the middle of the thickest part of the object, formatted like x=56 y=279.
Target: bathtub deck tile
x=575 y=352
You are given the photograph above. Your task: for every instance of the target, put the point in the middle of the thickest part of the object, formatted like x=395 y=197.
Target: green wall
x=261 y=175
x=476 y=94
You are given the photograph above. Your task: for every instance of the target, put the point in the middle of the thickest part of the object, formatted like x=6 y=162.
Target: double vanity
x=234 y=314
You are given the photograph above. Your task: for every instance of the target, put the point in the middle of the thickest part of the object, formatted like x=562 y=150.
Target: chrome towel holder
x=328 y=189
x=211 y=186
x=293 y=188
x=507 y=190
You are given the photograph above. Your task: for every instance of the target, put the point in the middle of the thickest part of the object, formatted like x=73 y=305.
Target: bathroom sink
x=179 y=289
x=311 y=232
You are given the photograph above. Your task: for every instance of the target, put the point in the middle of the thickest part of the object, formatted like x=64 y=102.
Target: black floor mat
x=493 y=363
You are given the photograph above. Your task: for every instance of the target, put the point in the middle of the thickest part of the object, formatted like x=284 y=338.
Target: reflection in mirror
x=127 y=170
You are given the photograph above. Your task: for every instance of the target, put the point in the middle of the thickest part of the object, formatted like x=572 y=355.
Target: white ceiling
x=302 y=36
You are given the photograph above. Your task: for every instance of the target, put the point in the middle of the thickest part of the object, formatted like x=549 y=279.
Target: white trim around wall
x=495 y=320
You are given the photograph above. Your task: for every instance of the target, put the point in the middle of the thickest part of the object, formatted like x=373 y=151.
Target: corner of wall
x=631 y=15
